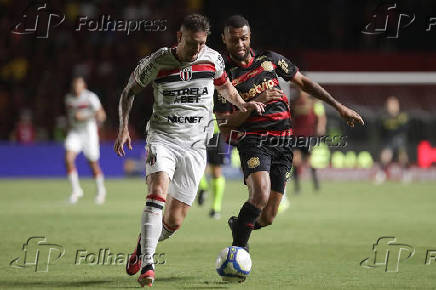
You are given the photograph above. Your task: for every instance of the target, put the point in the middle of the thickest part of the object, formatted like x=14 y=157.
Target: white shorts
x=85 y=141
x=185 y=167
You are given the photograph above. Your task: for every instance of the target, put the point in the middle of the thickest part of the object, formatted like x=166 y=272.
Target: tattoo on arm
x=314 y=89
x=126 y=103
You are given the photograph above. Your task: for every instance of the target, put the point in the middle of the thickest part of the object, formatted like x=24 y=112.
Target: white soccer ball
x=233 y=264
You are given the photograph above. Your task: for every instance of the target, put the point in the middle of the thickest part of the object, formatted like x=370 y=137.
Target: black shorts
x=217 y=150
x=276 y=159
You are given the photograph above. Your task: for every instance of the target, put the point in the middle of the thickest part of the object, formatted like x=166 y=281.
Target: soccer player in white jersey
x=183 y=79
x=84 y=111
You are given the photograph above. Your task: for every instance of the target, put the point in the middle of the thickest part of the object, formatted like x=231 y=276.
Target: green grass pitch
x=318 y=243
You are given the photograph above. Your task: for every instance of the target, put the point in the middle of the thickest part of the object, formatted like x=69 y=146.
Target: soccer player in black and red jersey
x=265 y=153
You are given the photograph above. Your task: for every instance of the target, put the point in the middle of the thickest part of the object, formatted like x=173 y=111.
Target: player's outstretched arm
x=125 y=105
x=314 y=89
x=230 y=93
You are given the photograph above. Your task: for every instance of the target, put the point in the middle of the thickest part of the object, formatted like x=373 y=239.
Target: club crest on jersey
x=186 y=74
x=267 y=66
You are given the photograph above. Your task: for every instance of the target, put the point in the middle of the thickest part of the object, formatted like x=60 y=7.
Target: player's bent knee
x=174 y=223
x=259 y=199
x=269 y=218
x=268 y=221
x=157 y=190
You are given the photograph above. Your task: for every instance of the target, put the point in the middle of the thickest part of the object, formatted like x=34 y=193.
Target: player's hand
x=350 y=116
x=122 y=138
x=269 y=95
x=252 y=106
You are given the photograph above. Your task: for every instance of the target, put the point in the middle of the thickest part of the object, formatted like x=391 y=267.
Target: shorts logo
x=288 y=175
x=186 y=73
x=253 y=162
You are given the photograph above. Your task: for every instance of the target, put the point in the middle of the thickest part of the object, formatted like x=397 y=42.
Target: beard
x=244 y=57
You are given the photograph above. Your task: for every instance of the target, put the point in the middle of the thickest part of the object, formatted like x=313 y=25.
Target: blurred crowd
x=35 y=73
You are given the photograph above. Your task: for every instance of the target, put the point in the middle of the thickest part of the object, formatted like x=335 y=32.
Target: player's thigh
x=160 y=158
x=91 y=148
x=70 y=157
x=259 y=188
x=175 y=212
x=73 y=143
x=190 y=165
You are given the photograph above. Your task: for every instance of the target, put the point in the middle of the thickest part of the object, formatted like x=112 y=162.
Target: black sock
x=257 y=226
x=146 y=268
x=315 y=178
x=245 y=224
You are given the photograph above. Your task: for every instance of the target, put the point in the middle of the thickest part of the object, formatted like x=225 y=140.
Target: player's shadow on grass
x=51 y=284
x=210 y=285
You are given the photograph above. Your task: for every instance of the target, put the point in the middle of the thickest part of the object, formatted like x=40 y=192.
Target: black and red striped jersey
x=259 y=75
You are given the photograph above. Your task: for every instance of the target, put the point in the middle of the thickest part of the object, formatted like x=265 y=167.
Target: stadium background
x=35 y=73
x=318 y=243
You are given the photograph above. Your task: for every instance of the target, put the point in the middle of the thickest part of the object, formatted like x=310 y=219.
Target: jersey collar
x=253 y=54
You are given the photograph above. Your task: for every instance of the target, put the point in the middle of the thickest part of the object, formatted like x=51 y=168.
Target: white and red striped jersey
x=183 y=93
x=88 y=103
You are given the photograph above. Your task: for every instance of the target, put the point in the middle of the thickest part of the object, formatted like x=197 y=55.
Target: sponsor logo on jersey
x=186 y=96
x=187 y=99
x=282 y=63
x=257 y=89
x=179 y=119
x=186 y=74
x=187 y=91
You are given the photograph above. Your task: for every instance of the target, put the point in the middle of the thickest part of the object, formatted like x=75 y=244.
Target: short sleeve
x=147 y=69
x=95 y=102
x=284 y=67
x=220 y=104
x=220 y=73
